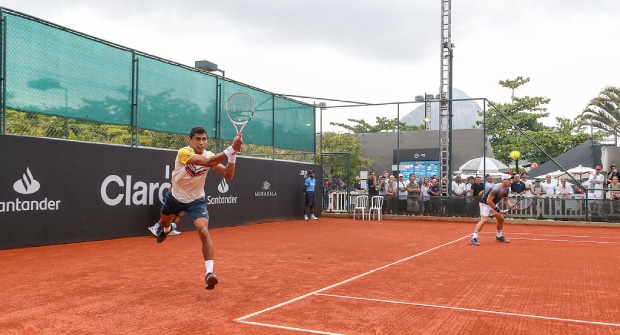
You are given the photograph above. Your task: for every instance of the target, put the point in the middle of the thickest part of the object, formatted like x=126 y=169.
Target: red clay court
x=332 y=276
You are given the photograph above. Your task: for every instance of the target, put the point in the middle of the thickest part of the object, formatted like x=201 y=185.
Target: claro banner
x=58 y=191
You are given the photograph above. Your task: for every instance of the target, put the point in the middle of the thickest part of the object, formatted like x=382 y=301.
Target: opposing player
x=188 y=182
x=488 y=208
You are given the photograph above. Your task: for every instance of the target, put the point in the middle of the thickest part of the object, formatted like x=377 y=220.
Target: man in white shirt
x=564 y=189
x=550 y=188
x=401 y=206
x=459 y=189
x=595 y=190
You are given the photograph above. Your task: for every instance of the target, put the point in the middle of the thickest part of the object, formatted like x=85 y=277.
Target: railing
x=575 y=207
x=572 y=207
x=342 y=201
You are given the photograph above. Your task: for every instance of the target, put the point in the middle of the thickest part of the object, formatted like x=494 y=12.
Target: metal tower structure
x=445 y=96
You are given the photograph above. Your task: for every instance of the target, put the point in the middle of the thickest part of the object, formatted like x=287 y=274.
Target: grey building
x=382 y=147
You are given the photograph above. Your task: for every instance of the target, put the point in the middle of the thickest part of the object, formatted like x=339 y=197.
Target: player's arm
x=225 y=171
x=490 y=202
x=228 y=171
x=228 y=153
x=210 y=162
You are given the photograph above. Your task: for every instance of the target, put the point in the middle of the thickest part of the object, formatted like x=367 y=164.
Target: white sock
x=499 y=233
x=209 y=266
x=475 y=234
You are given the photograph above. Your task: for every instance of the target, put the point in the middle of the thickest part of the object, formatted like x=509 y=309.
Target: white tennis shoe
x=154 y=228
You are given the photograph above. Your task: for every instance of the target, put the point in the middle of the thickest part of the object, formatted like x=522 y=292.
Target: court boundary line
x=319 y=293
x=600 y=323
x=243 y=318
x=288 y=328
x=567 y=235
x=576 y=240
x=573 y=241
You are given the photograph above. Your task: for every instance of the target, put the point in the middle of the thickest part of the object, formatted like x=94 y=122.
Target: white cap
x=507 y=176
x=400 y=175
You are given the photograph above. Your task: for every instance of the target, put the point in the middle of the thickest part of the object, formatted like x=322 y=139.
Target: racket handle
x=240 y=135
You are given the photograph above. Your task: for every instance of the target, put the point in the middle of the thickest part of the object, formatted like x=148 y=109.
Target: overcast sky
x=369 y=51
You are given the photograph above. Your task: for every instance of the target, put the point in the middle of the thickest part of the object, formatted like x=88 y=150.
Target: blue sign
x=425 y=168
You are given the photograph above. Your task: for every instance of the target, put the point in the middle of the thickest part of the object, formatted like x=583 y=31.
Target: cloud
x=369 y=50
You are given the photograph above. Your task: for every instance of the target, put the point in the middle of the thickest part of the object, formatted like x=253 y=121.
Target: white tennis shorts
x=485 y=209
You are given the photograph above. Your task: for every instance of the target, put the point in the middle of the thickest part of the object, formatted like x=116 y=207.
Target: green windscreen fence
x=51 y=70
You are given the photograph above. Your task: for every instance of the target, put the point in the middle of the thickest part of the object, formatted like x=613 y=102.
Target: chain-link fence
x=61 y=83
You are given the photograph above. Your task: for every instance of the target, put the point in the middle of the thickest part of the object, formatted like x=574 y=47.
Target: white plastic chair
x=361 y=203
x=376 y=205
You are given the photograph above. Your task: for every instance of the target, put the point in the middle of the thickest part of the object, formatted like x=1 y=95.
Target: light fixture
x=207 y=66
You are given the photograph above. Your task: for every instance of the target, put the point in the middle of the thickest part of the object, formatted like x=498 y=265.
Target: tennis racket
x=240 y=110
x=519 y=206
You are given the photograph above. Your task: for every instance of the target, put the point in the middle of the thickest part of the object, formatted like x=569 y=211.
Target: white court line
x=318 y=292
x=565 y=235
x=574 y=241
x=287 y=328
x=512 y=237
x=473 y=310
x=546 y=234
x=241 y=319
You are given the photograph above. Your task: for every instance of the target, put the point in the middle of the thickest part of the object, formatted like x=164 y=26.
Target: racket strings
x=240 y=115
x=240 y=108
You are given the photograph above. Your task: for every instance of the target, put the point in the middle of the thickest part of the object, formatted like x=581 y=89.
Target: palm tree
x=603 y=112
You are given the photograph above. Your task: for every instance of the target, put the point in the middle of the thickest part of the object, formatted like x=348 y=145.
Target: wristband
x=231 y=154
x=229 y=151
x=497 y=209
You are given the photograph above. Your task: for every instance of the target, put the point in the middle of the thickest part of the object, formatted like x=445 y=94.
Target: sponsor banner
x=58 y=191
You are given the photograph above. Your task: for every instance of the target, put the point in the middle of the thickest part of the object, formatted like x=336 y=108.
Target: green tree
x=383 y=124
x=335 y=165
x=603 y=112
x=524 y=113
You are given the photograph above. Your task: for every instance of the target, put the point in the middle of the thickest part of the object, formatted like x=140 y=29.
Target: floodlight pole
x=398 y=138
x=450 y=48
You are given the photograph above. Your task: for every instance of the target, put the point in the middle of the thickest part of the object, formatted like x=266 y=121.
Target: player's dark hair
x=196 y=130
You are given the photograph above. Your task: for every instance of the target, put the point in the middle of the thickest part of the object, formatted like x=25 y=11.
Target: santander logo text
x=28 y=185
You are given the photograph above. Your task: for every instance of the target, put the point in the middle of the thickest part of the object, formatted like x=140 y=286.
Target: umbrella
x=580 y=170
x=477 y=166
x=555 y=174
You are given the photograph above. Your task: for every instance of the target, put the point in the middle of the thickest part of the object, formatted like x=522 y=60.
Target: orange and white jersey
x=188 y=180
